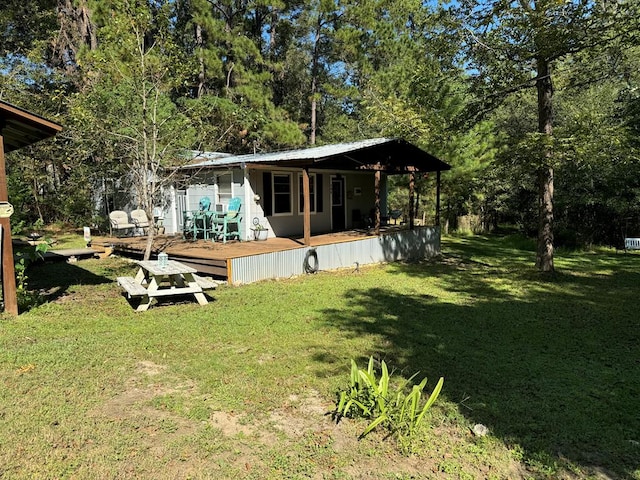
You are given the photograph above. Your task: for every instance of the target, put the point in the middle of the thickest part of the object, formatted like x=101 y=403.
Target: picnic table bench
x=133 y=288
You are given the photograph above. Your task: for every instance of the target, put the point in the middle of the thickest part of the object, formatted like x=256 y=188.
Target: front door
x=338 y=219
x=181 y=207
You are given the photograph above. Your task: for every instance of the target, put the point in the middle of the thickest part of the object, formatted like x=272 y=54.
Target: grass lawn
x=241 y=388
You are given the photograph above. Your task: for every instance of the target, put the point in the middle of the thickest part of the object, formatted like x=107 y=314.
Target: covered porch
x=305 y=192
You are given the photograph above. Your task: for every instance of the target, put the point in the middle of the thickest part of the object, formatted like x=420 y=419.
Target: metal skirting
x=422 y=242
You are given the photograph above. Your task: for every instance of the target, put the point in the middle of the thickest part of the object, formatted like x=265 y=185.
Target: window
x=312 y=193
x=224 y=188
x=282 y=193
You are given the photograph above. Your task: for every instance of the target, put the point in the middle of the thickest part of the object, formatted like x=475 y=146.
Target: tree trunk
x=312 y=134
x=544 y=257
x=150 y=236
x=200 y=47
x=314 y=80
x=76 y=30
x=272 y=33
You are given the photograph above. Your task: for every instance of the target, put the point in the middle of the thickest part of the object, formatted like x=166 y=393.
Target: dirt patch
x=230 y=425
x=133 y=402
x=301 y=414
x=149 y=368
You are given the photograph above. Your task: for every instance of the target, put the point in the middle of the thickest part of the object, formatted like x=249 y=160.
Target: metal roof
x=20 y=128
x=387 y=154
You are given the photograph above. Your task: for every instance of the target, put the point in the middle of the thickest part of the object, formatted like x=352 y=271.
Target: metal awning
x=388 y=155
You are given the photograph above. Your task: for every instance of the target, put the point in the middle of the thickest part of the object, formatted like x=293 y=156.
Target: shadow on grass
x=53 y=280
x=549 y=365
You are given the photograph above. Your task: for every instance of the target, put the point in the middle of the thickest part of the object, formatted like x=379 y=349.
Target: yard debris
x=479 y=430
x=25 y=369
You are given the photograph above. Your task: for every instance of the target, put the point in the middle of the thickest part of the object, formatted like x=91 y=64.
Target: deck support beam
x=9 y=292
x=378 y=176
x=307 y=206
x=412 y=198
x=438 y=198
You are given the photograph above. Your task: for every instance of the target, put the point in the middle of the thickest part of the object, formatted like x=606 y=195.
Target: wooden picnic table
x=154 y=280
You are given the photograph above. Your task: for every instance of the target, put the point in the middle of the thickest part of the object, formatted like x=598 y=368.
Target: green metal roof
x=387 y=154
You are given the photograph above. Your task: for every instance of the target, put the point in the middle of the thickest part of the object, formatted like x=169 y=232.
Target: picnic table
x=173 y=279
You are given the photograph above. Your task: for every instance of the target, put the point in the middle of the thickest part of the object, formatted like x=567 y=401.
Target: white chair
x=120 y=223
x=140 y=220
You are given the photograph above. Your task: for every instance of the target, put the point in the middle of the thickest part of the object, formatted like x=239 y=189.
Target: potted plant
x=260 y=232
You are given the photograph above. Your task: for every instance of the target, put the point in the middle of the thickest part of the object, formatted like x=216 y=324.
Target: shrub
x=399 y=410
x=26 y=298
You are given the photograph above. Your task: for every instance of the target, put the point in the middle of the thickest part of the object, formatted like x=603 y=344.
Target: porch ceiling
x=20 y=128
x=391 y=156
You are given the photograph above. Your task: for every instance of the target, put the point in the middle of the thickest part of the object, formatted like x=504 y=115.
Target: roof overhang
x=388 y=155
x=20 y=128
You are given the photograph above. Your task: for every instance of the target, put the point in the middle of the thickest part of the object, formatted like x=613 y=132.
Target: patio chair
x=204 y=204
x=140 y=220
x=120 y=223
x=202 y=219
x=231 y=217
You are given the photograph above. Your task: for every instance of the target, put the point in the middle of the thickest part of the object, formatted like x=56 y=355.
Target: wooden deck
x=214 y=259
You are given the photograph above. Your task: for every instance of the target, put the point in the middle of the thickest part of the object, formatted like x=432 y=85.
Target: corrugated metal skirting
x=422 y=242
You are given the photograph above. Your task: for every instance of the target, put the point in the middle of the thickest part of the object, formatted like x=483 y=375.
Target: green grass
x=239 y=388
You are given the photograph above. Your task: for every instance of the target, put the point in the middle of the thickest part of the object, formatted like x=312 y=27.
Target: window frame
x=312 y=193
x=275 y=194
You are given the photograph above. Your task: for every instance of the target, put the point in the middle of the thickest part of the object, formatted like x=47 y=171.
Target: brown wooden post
x=438 y=198
x=412 y=196
x=9 y=293
x=307 y=206
x=377 y=200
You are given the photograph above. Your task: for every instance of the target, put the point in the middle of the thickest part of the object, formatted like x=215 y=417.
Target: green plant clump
x=372 y=398
x=27 y=298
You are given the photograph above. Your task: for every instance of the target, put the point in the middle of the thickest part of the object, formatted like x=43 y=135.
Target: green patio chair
x=202 y=219
x=229 y=219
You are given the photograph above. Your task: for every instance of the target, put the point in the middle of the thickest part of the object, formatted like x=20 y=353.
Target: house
x=345 y=184
x=314 y=203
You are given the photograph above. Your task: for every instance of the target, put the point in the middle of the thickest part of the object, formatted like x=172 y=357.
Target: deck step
x=67 y=253
x=133 y=288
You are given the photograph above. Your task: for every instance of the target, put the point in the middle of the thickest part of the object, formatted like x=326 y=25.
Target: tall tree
x=317 y=28
x=233 y=76
x=129 y=81
x=516 y=45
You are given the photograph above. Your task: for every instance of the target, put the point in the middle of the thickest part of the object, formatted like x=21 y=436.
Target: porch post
x=307 y=206
x=438 y=198
x=248 y=199
x=9 y=293
x=377 y=199
x=412 y=195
